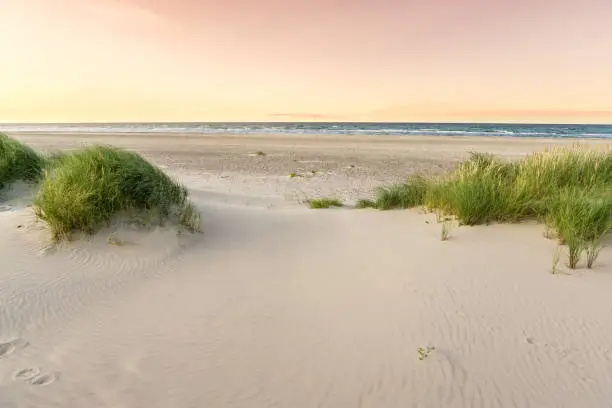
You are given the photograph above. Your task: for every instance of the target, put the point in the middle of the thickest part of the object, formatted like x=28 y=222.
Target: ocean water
x=339 y=128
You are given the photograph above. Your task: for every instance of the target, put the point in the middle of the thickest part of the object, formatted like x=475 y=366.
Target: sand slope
x=299 y=308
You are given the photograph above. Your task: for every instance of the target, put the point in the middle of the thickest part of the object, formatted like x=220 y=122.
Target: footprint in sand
x=34 y=376
x=9 y=347
x=27 y=374
x=45 y=379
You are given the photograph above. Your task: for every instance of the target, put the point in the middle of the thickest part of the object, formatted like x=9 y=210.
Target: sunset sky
x=320 y=60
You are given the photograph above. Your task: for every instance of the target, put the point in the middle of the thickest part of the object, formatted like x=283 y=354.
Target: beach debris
x=257 y=153
x=424 y=352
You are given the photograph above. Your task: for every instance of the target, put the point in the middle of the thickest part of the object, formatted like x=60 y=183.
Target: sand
x=276 y=305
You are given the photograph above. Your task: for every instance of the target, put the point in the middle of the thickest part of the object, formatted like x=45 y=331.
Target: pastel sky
x=320 y=60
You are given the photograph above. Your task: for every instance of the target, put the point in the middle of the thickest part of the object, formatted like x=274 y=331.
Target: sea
x=328 y=128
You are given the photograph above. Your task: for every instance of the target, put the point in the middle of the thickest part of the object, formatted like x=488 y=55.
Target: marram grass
x=319 y=203
x=18 y=162
x=85 y=189
x=570 y=189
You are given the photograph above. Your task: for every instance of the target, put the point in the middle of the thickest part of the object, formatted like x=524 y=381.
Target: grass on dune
x=85 y=189
x=569 y=189
x=18 y=162
x=319 y=203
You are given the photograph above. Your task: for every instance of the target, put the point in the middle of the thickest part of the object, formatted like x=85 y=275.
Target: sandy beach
x=277 y=305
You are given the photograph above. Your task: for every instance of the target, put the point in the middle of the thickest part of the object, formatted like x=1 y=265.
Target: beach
x=278 y=305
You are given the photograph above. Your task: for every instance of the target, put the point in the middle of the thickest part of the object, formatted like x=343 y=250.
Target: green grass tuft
x=324 y=203
x=570 y=189
x=18 y=162
x=84 y=190
x=365 y=204
x=407 y=195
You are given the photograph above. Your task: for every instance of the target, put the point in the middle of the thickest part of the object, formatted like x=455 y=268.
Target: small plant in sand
x=86 y=189
x=446 y=228
x=292 y=175
x=592 y=252
x=18 y=162
x=549 y=232
x=365 y=204
x=408 y=195
x=324 y=203
x=574 y=252
x=114 y=241
x=555 y=260
x=424 y=352
x=190 y=218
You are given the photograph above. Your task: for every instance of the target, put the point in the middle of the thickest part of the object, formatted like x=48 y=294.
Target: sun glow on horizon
x=533 y=61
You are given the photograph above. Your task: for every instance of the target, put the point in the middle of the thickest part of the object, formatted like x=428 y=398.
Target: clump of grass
x=569 y=189
x=190 y=217
x=324 y=203
x=18 y=162
x=445 y=231
x=574 y=250
x=592 y=252
x=406 y=195
x=365 y=204
x=86 y=189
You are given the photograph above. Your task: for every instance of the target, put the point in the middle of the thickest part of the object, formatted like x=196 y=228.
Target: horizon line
x=307 y=122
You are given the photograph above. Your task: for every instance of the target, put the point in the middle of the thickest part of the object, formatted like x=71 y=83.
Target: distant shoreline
x=526 y=131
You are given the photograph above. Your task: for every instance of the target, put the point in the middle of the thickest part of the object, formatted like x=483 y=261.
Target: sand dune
x=275 y=305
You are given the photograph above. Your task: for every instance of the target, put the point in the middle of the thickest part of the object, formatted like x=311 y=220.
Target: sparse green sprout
x=114 y=241
x=190 y=218
x=555 y=260
x=592 y=252
x=324 y=203
x=292 y=175
x=260 y=153
x=365 y=204
x=447 y=226
x=574 y=250
x=424 y=352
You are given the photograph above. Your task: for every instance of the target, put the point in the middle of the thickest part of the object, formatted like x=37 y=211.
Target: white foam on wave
x=315 y=128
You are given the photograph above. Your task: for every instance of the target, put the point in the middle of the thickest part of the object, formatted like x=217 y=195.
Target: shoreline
x=416 y=136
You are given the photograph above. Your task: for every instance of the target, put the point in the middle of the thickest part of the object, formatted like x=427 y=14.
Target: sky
x=536 y=61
